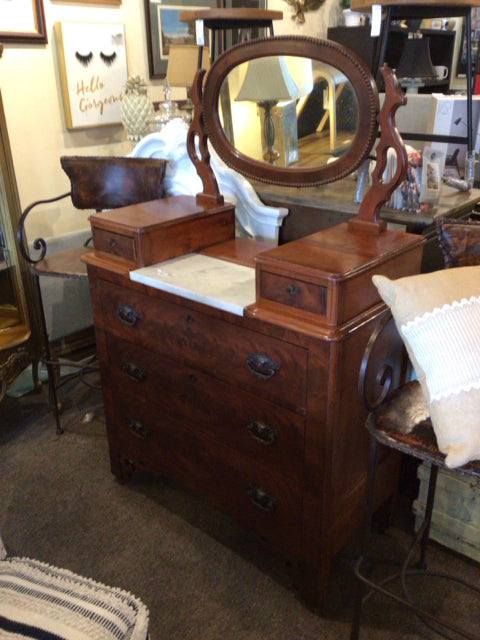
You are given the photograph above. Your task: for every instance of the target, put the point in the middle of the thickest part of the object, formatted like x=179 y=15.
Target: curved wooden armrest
x=39 y=244
x=384 y=365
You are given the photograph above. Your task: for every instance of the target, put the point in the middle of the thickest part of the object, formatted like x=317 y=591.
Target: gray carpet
x=201 y=576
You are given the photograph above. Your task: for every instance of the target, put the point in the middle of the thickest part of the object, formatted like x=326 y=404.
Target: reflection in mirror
x=9 y=304
x=13 y=321
x=289 y=110
x=9 y=312
x=320 y=136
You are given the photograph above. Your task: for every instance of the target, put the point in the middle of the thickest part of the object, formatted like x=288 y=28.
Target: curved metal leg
x=432 y=484
x=52 y=369
x=366 y=587
x=37 y=383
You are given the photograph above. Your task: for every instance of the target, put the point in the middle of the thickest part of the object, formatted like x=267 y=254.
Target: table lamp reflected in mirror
x=415 y=65
x=268 y=81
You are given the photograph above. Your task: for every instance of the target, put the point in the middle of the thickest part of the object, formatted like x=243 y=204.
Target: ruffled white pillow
x=438 y=316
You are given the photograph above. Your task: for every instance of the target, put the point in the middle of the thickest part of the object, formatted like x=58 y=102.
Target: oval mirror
x=299 y=111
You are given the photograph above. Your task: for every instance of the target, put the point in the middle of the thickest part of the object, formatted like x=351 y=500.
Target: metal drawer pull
x=139 y=430
x=262 y=366
x=113 y=243
x=262 y=432
x=260 y=498
x=292 y=289
x=134 y=372
x=127 y=314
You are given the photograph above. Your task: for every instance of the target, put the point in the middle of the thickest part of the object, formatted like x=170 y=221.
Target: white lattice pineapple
x=137 y=108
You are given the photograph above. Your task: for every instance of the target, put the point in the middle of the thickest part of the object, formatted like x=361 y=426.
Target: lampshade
x=268 y=79
x=415 y=61
x=301 y=70
x=183 y=62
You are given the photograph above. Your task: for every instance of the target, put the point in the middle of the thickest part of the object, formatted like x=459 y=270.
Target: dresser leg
x=312 y=581
x=122 y=468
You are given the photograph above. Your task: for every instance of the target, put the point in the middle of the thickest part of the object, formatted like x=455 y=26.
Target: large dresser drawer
x=268 y=367
x=262 y=499
x=266 y=432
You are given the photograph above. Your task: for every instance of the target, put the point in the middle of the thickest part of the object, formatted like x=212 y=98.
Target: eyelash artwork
x=108 y=59
x=84 y=60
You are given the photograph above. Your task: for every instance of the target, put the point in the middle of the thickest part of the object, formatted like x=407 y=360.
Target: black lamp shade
x=415 y=61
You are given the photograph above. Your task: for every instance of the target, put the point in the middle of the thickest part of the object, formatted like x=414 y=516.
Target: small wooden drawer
x=270 y=368
x=262 y=498
x=115 y=244
x=294 y=292
x=267 y=433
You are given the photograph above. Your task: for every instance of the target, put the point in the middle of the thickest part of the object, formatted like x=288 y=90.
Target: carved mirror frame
x=206 y=124
x=325 y=51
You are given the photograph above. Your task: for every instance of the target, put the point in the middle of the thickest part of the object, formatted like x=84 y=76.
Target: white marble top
x=218 y=283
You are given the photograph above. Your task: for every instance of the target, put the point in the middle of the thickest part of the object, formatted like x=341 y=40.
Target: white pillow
x=438 y=316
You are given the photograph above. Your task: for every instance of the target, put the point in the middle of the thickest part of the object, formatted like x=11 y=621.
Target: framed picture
x=448 y=116
x=462 y=57
x=22 y=21
x=164 y=27
x=93 y=70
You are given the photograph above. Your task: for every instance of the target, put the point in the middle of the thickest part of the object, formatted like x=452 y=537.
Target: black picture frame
x=461 y=67
x=156 y=15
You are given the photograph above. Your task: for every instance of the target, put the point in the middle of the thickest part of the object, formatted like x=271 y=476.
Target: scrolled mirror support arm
x=380 y=191
x=211 y=192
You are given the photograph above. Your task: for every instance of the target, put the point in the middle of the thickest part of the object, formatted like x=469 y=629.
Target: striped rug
x=44 y=602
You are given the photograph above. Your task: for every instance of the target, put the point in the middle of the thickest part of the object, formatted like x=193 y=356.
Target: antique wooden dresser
x=233 y=367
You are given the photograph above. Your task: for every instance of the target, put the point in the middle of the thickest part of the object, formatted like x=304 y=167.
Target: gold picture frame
x=23 y=22
x=93 y=70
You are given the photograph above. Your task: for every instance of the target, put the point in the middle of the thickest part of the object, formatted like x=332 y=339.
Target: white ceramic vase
x=137 y=109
